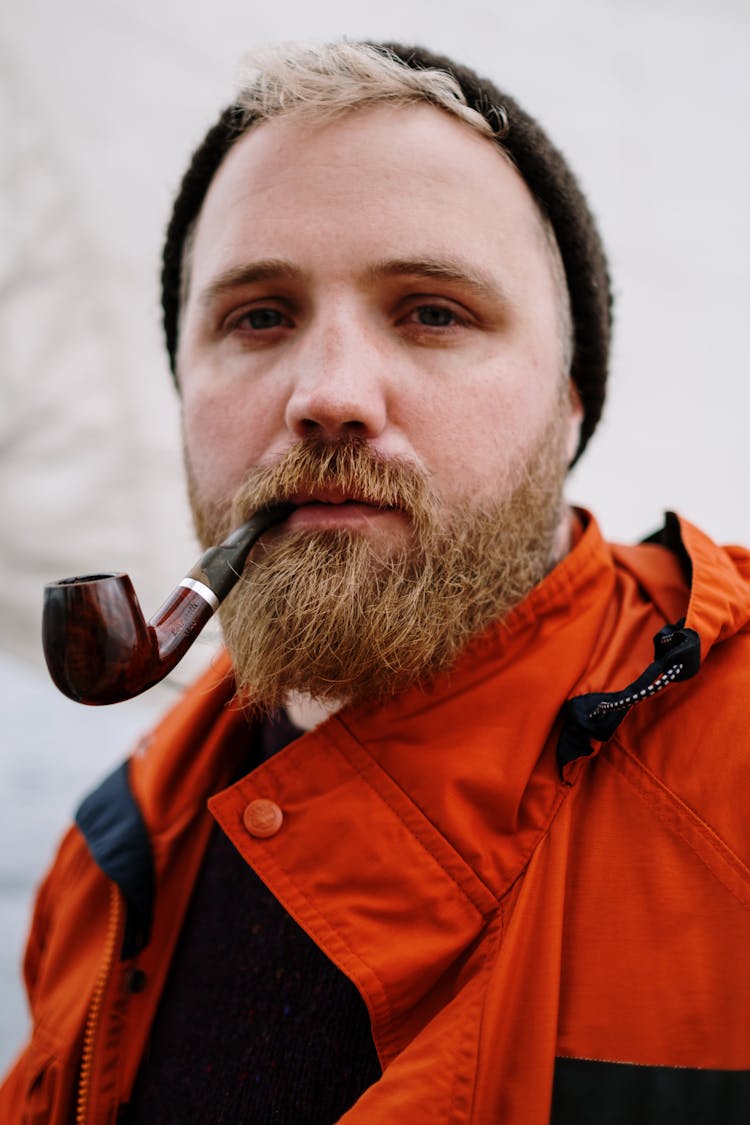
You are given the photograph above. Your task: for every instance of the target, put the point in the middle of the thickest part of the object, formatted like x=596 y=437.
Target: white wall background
x=100 y=106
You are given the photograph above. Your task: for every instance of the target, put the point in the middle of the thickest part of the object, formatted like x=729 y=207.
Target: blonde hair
x=321 y=83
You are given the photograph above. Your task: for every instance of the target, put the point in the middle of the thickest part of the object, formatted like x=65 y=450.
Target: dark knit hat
x=541 y=165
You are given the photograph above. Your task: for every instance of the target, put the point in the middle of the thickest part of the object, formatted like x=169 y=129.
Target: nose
x=339 y=383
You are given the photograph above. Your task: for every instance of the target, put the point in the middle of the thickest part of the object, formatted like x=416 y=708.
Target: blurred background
x=100 y=107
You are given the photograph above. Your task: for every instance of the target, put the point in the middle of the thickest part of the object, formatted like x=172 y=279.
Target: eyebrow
x=266 y=269
x=452 y=270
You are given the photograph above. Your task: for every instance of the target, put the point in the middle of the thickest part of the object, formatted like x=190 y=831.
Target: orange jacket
x=544 y=924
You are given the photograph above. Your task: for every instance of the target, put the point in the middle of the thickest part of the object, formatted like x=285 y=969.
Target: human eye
x=259 y=319
x=434 y=321
x=435 y=316
x=264 y=323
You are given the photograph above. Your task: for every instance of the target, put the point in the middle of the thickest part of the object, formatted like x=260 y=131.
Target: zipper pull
x=595 y=717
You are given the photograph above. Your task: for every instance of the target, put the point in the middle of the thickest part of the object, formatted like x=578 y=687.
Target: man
x=479 y=856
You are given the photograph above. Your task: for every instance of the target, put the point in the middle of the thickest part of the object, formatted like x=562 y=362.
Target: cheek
x=224 y=436
x=475 y=438
x=482 y=428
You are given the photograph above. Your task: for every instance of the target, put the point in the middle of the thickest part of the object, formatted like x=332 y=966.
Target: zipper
x=92 y=1020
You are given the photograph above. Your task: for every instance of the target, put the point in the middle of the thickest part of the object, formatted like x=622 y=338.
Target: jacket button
x=262 y=818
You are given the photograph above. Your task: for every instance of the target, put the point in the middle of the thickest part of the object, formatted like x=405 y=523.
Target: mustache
x=349 y=465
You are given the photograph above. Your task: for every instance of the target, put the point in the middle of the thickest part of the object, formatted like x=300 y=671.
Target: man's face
x=384 y=279
x=385 y=276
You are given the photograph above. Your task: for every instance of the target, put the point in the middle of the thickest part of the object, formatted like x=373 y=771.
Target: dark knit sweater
x=255 y=1023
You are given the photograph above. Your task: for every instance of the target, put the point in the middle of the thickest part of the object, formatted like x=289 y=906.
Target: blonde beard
x=330 y=615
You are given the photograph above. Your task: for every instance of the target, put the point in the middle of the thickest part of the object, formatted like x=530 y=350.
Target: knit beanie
x=541 y=165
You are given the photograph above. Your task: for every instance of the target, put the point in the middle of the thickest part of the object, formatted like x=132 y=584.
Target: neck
x=307 y=713
x=565 y=536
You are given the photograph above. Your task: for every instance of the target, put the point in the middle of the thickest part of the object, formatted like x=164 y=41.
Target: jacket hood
x=715 y=579
x=703 y=593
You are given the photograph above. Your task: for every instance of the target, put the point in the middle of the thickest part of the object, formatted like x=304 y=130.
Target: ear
x=575 y=420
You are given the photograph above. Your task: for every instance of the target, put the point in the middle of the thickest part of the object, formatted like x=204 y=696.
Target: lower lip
x=324 y=517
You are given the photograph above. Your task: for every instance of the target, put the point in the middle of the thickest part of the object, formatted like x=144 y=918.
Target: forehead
x=390 y=181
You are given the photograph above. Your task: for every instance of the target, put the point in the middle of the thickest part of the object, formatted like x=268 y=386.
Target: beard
x=341 y=617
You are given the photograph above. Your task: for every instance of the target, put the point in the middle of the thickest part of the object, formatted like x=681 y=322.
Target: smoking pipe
x=98 y=645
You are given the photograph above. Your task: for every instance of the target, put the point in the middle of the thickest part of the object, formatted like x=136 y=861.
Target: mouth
x=334 y=497
x=332 y=508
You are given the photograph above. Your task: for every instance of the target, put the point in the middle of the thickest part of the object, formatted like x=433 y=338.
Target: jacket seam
x=563 y=791
x=487 y=960
x=412 y=831
x=682 y=811
x=649 y=1066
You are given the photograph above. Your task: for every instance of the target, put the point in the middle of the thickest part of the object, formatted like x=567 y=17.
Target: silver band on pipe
x=201 y=588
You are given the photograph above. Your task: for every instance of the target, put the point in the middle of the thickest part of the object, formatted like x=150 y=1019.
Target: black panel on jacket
x=587 y=1092
x=113 y=828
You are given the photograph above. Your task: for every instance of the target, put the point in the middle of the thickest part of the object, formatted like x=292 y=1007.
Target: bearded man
x=450 y=834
